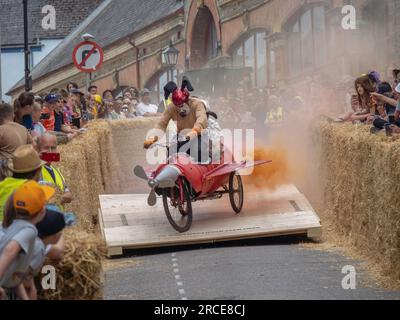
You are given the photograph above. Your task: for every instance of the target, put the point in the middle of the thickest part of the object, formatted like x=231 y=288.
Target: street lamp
x=171 y=55
x=87 y=37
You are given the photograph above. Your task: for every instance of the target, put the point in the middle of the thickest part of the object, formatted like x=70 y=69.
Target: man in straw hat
x=25 y=165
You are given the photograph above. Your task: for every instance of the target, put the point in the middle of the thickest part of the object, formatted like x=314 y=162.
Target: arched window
x=204 y=39
x=251 y=52
x=307 y=39
x=156 y=84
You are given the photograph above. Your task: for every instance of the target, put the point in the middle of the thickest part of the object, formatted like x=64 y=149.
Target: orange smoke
x=270 y=175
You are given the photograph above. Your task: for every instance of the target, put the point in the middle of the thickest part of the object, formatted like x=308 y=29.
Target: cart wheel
x=179 y=214
x=236 y=192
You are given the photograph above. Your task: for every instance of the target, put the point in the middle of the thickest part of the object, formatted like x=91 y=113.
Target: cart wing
x=232 y=167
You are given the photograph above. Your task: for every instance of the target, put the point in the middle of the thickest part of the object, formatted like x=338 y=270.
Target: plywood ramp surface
x=127 y=221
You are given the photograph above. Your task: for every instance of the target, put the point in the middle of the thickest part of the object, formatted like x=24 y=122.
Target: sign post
x=88 y=57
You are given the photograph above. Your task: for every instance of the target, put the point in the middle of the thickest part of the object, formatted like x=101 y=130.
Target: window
x=307 y=46
x=156 y=85
x=252 y=53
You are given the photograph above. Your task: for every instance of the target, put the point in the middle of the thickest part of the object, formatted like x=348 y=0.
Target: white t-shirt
x=142 y=109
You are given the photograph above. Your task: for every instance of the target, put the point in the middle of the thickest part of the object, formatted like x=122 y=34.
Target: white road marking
x=178 y=277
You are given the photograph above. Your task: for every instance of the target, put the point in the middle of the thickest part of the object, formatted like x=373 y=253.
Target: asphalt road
x=255 y=269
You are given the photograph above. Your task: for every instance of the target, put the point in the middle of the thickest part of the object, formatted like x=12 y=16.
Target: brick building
x=262 y=43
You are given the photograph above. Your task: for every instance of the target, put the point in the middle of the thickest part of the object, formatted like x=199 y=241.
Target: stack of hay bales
x=97 y=162
x=79 y=273
x=361 y=173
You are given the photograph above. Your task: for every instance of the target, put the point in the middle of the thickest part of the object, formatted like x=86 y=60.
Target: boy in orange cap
x=18 y=241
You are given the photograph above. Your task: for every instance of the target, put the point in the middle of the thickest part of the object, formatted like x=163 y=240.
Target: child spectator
x=23 y=110
x=49 y=243
x=72 y=86
x=38 y=128
x=18 y=241
x=108 y=95
x=93 y=90
x=95 y=106
x=48 y=119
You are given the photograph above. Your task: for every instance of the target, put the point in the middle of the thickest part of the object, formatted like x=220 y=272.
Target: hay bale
x=79 y=273
x=101 y=161
x=98 y=162
x=360 y=173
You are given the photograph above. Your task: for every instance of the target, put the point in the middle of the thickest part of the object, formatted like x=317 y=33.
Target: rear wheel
x=236 y=192
x=178 y=211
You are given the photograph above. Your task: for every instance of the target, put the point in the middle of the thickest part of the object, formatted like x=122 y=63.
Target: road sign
x=88 y=56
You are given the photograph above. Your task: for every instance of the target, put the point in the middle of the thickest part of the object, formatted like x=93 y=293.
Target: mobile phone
x=50 y=157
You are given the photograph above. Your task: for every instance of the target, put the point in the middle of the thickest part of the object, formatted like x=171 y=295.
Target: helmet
x=179 y=97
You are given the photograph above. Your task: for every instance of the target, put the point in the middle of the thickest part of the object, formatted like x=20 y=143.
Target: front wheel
x=178 y=211
x=236 y=192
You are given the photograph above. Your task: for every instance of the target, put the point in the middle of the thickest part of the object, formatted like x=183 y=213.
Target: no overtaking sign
x=88 y=56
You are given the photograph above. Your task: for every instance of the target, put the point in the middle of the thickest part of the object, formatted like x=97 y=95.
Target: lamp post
x=28 y=78
x=170 y=55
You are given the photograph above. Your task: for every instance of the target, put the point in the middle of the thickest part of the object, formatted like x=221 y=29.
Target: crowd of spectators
x=375 y=101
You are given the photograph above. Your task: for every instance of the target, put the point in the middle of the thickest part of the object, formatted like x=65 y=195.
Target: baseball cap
x=375 y=76
x=32 y=197
x=25 y=159
x=397 y=88
x=52 y=98
x=52 y=223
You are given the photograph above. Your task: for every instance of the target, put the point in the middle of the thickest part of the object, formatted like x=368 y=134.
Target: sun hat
x=25 y=159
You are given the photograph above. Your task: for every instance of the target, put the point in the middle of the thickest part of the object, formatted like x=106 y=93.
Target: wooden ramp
x=128 y=223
